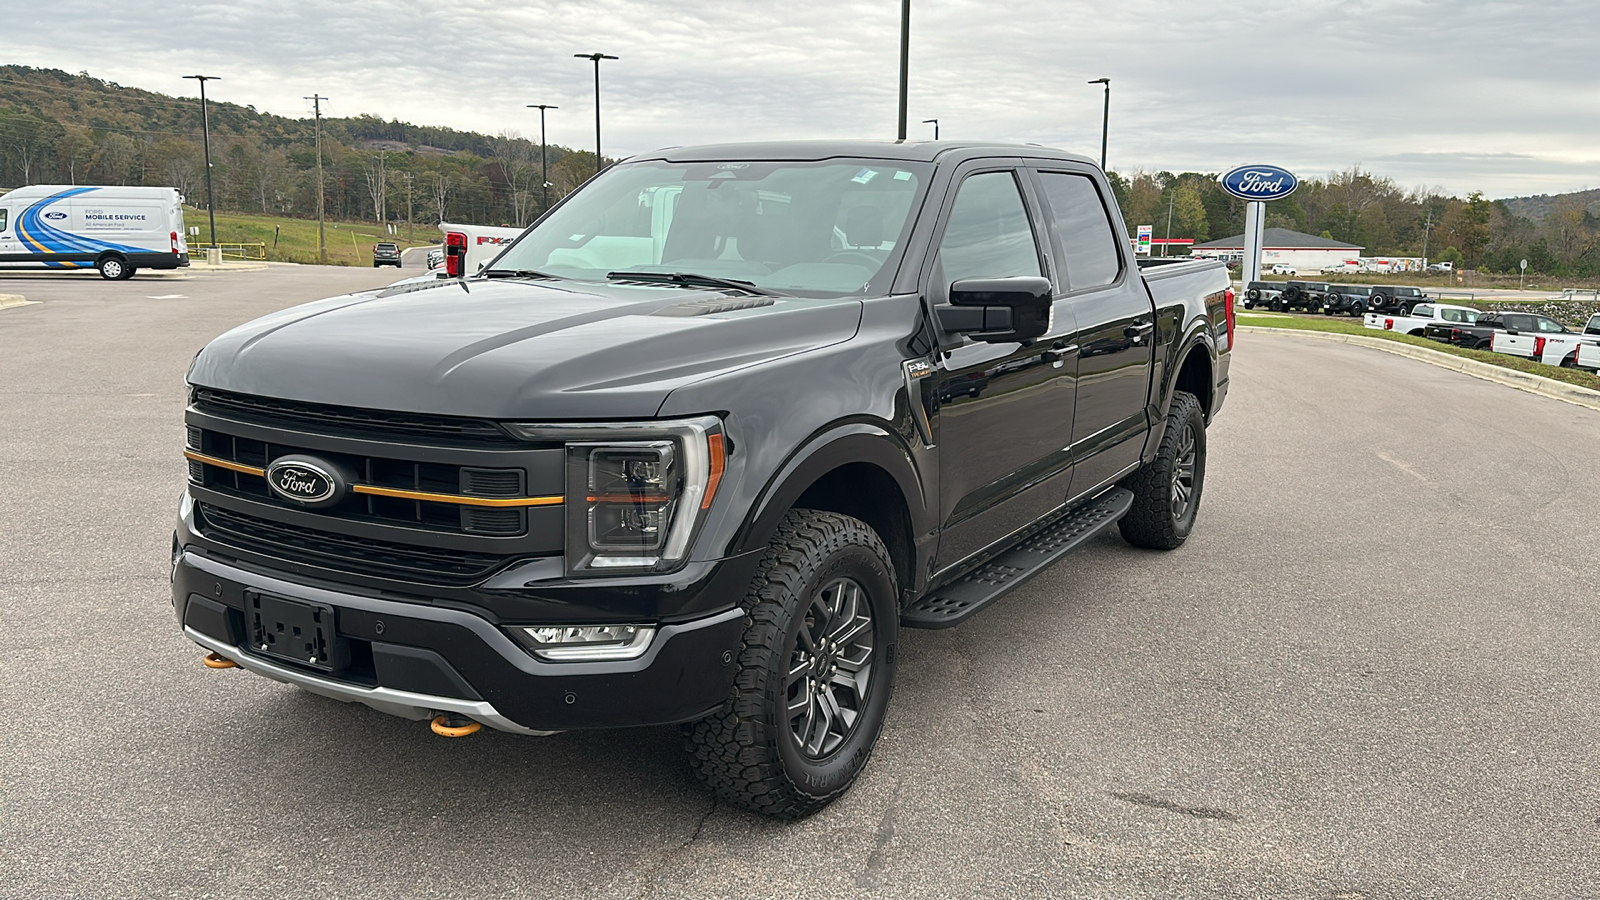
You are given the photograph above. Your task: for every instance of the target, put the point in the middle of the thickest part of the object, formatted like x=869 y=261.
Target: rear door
x=10 y=248
x=1005 y=409
x=1116 y=325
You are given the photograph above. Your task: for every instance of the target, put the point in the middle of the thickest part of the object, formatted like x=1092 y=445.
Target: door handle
x=1138 y=328
x=1058 y=353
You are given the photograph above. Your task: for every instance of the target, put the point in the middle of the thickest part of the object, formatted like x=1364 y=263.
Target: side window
x=1549 y=325
x=1517 y=323
x=3 y=222
x=1423 y=312
x=988 y=235
x=1088 y=241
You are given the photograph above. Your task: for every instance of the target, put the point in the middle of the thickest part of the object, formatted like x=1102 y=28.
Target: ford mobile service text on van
x=117 y=230
x=697 y=446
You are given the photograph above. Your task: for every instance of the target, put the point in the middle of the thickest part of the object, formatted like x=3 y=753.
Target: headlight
x=636 y=492
x=587 y=643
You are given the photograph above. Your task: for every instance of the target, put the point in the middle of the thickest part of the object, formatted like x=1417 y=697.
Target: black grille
x=322 y=418
x=375 y=471
x=365 y=556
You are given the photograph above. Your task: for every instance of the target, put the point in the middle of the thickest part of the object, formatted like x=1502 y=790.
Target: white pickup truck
x=1558 y=348
x=1421 y=316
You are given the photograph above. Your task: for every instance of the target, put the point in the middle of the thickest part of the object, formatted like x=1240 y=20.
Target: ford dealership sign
x=1259 y=182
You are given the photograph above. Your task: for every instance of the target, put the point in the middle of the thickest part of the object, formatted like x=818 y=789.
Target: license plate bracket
x=295 y=630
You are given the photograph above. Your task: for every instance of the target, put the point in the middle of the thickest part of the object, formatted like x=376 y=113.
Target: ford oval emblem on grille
x=306 y=480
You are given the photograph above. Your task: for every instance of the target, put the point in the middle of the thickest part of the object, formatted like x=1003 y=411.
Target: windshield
x=815 y=229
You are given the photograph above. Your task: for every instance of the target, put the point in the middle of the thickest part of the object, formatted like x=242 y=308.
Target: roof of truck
x=909 y=151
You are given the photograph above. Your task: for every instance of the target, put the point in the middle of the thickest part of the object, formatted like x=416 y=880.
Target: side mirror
x=998 y=310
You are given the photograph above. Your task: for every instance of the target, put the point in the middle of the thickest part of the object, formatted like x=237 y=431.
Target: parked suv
x=1347 y=299
x=386 y=253
x=1262 y=293
x=696 y=446
x=1306 y=295
x=1397 y=300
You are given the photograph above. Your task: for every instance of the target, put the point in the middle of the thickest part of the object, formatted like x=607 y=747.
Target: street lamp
x=1105 y=123
x=935 y=127
x=205 y=131
x=598 y=158
x=544 y=166
x=905 y=60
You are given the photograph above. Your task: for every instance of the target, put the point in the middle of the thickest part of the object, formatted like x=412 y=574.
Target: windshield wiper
x=514 y=273
x=693 y=279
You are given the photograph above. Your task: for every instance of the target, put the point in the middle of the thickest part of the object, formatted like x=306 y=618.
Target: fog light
x=569 y=643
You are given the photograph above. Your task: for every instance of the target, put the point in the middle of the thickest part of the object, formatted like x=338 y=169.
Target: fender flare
x=830 y=447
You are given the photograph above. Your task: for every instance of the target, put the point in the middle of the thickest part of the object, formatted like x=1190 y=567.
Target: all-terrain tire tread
x=1149 y=523
x=734 y=750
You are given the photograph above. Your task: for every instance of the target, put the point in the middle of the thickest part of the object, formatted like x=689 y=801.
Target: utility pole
x=1425 y=229
x=205 y=131
x=599 y=160
x=544 y=163
x=905 y=61
x=1171 y=199
x=383 y=187
x=409 y=234
x=1105 y=122
x=935 y=127
x=322 y=237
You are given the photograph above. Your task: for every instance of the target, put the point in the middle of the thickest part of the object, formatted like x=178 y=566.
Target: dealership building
x=1304 y=252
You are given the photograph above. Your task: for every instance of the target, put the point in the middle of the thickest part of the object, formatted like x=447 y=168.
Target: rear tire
x=114 y=268
x=815 y=670
x=1166 y=490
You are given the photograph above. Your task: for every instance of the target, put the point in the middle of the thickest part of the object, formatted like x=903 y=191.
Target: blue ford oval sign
x=1259 y=182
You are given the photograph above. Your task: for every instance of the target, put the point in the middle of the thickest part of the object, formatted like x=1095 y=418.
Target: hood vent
x=712 y=307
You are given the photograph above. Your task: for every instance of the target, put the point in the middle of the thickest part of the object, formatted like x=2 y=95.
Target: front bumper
x=414 y=659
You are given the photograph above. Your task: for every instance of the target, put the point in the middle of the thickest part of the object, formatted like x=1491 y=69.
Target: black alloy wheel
x=830 y=672
x=813 y=673
x=1183 y=471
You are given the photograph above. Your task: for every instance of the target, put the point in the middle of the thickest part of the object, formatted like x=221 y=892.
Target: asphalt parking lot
x=1371 y=673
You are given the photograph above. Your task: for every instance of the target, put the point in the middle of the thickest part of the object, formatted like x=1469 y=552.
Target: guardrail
x=1451 y=295
x=242 y=251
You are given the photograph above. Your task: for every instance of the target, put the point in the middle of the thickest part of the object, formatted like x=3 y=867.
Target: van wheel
x=1166 y=490
x=815 y=670
x=114 y=268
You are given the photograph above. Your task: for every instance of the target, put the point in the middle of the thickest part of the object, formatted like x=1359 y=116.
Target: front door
x=1004 y=409
x=1116 y=328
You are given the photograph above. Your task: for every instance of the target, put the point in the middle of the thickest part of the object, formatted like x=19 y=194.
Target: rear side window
x=1424 y=312
x=3 y=222
x=1088 y=242
x=988 y=235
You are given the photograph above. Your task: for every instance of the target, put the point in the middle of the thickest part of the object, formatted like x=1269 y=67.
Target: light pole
x=599 y=160
x=544 y=165
x=935 y=127
x=1105 y=123
x=205 y=131
x=322 y=235
x=905 y=60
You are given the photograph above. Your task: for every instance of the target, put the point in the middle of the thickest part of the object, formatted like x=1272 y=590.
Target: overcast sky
x=1494 y=96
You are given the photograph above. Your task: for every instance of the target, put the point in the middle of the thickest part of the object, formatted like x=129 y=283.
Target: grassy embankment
x=349 y=243
x=1347 y=326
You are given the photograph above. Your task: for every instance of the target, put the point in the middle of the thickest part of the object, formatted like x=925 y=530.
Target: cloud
x=1466 y=95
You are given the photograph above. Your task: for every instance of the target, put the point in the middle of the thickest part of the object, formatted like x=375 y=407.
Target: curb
x=1535 y=384
x=9 y=300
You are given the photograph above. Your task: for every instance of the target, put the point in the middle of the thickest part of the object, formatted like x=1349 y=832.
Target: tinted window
x=1425 y=312
x=988 y=235
x=1088 y=241
x=1517 y=323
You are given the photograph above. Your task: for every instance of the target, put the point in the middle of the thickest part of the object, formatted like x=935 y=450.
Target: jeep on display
x=1262 y=293
x=1347 y=299
x=1395 y=299
x=1306 y=295
x=696 y=446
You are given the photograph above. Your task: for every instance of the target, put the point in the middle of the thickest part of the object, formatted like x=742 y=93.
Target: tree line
x=57 y=127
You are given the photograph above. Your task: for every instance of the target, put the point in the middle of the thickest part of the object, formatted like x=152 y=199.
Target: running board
x=964 y=598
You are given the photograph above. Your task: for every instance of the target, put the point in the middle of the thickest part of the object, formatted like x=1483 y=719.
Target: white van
x=117 y=230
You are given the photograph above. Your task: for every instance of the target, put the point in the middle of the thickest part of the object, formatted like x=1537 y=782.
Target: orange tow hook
x=218 y=661
x=454 y=726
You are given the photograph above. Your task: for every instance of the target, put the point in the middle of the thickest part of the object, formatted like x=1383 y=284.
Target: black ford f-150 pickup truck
x=696 y=446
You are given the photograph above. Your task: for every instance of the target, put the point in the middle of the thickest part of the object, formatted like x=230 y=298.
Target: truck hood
x=514 y=349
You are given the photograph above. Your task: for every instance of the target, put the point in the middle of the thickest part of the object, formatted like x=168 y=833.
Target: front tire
x=815 y=672
x=1166 y=490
